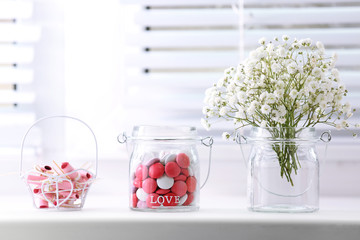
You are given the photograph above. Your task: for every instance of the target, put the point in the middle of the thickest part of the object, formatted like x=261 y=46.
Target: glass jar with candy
x=164 y=168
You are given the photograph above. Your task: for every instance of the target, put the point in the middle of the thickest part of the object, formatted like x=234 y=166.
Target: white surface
x=219 y=218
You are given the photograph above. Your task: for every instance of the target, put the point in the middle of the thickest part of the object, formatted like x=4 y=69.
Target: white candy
x=162 y=159
x=189 y=154
x=165 y=182
x=141 y=194
x=170 y=158
x=162 y=156
x=183 y=199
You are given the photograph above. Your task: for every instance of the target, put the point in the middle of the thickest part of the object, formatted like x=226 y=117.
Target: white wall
x=93 y=68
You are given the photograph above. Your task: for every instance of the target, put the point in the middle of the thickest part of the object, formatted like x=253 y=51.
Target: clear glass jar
x=283 y=170
x=164 y=169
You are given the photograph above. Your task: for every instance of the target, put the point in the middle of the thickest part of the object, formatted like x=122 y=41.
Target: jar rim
x=164 y=133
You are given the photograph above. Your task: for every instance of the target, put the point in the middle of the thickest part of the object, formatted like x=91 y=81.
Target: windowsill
x=218 y=218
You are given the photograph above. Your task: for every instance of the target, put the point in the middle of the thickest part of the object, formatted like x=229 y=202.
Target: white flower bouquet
x=283 y=84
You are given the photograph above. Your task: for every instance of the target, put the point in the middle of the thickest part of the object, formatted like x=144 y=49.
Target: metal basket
x=58 y=185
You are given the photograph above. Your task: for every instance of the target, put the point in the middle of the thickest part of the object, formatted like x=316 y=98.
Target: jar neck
x=164 y=133
x=283 y=134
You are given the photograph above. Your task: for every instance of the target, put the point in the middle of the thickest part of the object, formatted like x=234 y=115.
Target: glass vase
x=283 y=170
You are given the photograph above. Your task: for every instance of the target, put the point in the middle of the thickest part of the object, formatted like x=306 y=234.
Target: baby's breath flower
x=335 y=56
x=293 y=94
x=265 y=109
x=292 y=68
x=220 y=83
x=335 y=73
x=305 y=108
x=285 y=37
x=306 y=42
x=251 y=110
x=226 y=135
x=241 y=96
x=276 y=68
x=232 y=101
x=344 y=124
x=289 y=83
x=271 y=98
x=346 y=107
x=281 y=120
x=282 y=110
x=262 y=41
x=279 y=93
x=281 y=52
x=296 y=45
x=205 y=124
x=223 y=111
x=316 y=72
x=322 y=105
x=320 y=46
x=205 y=110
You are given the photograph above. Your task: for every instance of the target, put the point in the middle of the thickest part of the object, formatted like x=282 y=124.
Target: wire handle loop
x=59 y=116
x=208 y=142
x=122 y=138
x=326 y=136
x=240 y=139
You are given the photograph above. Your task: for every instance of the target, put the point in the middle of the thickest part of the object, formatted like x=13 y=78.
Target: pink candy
x=165 y=183
x=183 y=160
x=62 y=188
x=41 y=203
x=180 y=178
x=149 y=185
x=156 y=170
x=179 y=188
x=66 y=168
x=172 y=169
x=189 y=199
x=36 y=178
x=141 y=172
x=191 y=184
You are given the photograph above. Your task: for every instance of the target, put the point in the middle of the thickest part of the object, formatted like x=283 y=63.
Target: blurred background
x=119 y=63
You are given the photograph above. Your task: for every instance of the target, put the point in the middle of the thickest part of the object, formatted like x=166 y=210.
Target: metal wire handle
x=209 y=144
x=59 y=116
x=122 y=138
x=238 y=140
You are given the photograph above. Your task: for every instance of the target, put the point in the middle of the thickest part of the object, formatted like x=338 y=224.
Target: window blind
x=182 y=48
x=17 y=38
